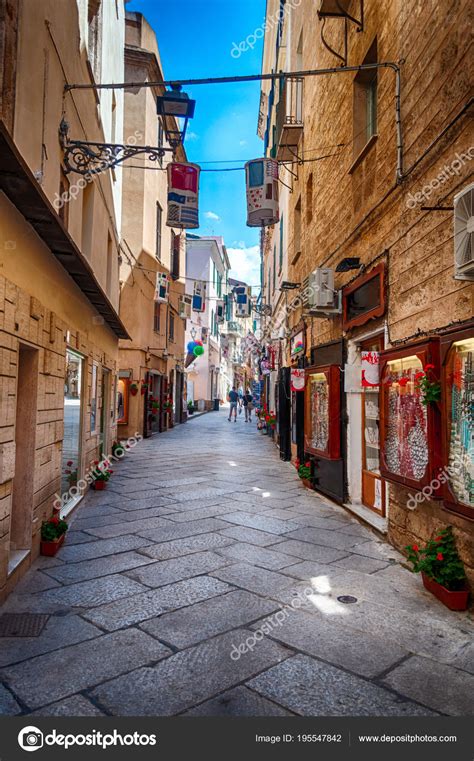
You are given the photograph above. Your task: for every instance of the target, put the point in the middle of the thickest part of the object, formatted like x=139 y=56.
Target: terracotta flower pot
x=99 y=485
x=133 y=390
x=50 y=548
x=457 y=600
x=307 y=482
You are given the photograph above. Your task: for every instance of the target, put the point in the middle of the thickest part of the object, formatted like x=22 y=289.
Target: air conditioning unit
x=464 y=234
x=319 y=294
x=220 y=312
x=185 y=304
x=243 y=301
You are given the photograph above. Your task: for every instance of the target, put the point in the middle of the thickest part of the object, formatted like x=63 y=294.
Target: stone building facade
x=367 y=197
x=59 y=245
x=153 y=361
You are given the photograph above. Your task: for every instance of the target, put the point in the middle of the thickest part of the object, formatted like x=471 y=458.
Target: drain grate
x=22 y=624
x=347 y=599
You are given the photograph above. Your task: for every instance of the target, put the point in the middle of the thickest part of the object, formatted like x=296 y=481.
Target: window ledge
x=365 y=150
x=295 y=258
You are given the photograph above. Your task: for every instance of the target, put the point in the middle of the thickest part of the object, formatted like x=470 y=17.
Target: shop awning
x=19 y=185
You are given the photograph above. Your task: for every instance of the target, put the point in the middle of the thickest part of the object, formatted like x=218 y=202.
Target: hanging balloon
x=198 y=350
x=191 y=346
x=198 y=343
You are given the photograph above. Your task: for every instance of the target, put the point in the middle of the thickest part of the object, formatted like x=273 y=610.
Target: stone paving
x=205 y=581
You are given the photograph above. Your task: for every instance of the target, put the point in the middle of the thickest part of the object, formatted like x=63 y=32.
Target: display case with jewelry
x=457 y=355
x=410 y=442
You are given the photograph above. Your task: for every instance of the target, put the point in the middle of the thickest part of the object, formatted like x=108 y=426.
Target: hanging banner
x=298 y=343
x=262 y=192
x=183 y=192
x=370 y=368
x=297 y=380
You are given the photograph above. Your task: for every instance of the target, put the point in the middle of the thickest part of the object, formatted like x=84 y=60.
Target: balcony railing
x=289 y=119
x=233 y=326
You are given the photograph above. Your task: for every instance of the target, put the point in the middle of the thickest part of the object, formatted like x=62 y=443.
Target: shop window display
x=322 y=419
x=459 y=423
x=410 y=446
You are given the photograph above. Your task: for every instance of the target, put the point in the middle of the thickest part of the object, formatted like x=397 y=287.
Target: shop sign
x=297 y=380
x=370 y=368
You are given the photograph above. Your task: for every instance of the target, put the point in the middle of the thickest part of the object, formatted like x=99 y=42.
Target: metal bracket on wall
x=338 y=9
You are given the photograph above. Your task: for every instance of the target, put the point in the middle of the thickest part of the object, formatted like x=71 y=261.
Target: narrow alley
x=206 y=580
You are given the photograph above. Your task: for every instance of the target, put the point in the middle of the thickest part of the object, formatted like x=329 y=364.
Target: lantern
x=183 y=191
x=262 y=192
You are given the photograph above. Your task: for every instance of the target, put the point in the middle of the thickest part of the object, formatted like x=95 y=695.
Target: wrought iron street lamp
x=179 y=105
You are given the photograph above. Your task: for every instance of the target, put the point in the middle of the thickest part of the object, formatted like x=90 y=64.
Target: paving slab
x=188 y=626
x=326 y=638
x=81 y=666
x=271 y=525
x=273 y=561
x=77 y=705
x=133 y=610
x=35 y=581
x=8 y=704
x=254 y=579
x=437 y=685
x=180 y=530
x=59 y=631
x=309 y=551
x=238 y=702
x=312 y=688
x=100 y=548
x=128 y=527
x=98 y=567
x=186 y=546
x=325 y=538
x=158 y=574
x=250 y=536
x=360 y=563
x=187 y=678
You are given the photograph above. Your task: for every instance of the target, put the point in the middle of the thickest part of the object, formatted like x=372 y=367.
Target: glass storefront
x=71 y=454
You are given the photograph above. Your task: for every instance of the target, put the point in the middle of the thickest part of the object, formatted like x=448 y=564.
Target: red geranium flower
x=307 y=464
x=415 y=547
x=439 y=556
x=419 y=375
x=403 y=381
x=69 y=462
x=54 y=519
x=429 y=367
x=96 y=462
x=438 y=539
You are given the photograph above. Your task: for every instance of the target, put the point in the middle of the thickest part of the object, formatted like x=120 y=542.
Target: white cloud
x=245 y=264
x=212 y=215
x=190 y=136
x=242 y=142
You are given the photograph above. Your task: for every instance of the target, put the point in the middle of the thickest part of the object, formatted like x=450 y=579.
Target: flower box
x=50 y=548
x=454 y=600
x=307 y=482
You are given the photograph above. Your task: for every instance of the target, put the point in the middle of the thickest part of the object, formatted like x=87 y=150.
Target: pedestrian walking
x=234 y=401
x=247 y=401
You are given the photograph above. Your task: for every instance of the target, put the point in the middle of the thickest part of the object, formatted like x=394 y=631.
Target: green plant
x=101 y=471
x=439 y=560
x=52 y=529
x=190 y=405
x=428 y=387
x=304 y=470
x=118 y=448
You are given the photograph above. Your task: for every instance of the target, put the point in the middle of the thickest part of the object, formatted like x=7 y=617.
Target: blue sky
x=196 y=39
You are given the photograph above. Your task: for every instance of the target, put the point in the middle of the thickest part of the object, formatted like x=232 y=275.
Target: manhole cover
x=347 y=599
x=22 y=624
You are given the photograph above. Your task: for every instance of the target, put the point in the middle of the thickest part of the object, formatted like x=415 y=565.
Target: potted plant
x=144 y=387
x=134 y=389
x=304 y=472
x=270 y=420
x=441 y=569
x=101 y=474
x=53 y=532
x=167 y=404
x=191 y=407
x=71 y=474
x=118 y=449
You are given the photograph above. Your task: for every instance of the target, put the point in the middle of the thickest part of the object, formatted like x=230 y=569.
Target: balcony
x=233 y=327
x=289 y=119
